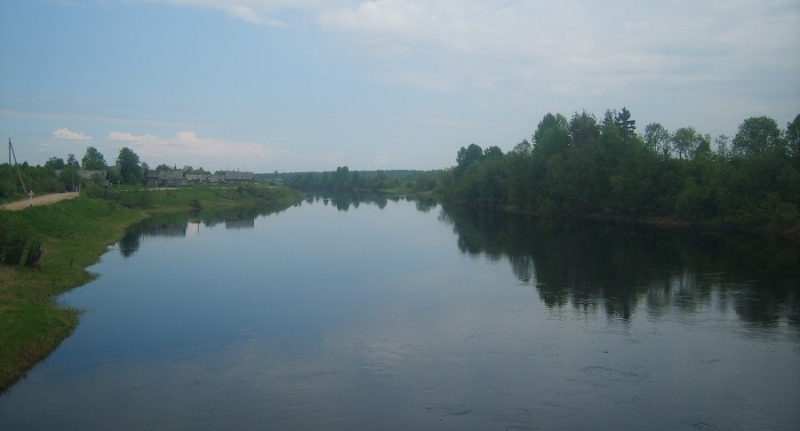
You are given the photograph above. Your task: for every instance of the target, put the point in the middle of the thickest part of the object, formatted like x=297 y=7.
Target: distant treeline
x=345 y=180
x=582 y=166
x=58 y=175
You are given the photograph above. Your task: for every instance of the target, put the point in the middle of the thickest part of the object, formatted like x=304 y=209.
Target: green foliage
x=758 y=136
x=582 y=167
x=93 y=160
x=55 y=163
x=583 y=129
x=195 y=205
x=657 y=139
x=69 y=178
x=130 y=198
x=129 y=166
x=31 y=323
x=40 y=179
x=690 y=144
x=627 y=127
x=467 y=156
x=192 y=171
x=72 y=161
x=345 y=180
x=793 y=139
x=424 y=182
x=13 y=228
x=551 y=136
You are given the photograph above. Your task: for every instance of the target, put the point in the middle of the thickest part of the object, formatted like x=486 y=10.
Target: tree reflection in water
x=176 y=224
x=592 y=266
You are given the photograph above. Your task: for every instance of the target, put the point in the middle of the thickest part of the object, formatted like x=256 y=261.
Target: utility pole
x=10 y=153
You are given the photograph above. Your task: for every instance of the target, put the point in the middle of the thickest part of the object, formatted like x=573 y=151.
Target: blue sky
x=266 y=85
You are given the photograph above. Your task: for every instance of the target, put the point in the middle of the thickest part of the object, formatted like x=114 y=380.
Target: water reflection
x=622 y=270
x=343 y=201
x=177 y=224
x=374 y=319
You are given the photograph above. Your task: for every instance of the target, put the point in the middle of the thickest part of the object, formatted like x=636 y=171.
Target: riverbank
x=73 y=235
x=788 y=231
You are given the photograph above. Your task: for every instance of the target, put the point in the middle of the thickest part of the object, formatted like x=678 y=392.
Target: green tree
x=627 y=127
x=55 y=163
x=721 y=143
x=551 y=135
x=342 y=178
x=793 y=138
x=72 y=161
x=583 y=129
x=685 y=141
x=757 y=135
x=657 y=139
x=523 y=149
x=702 y=147
x=493 y=151
x=129 y=166
x=69 y=177
x=93 y=160
x=467 y=156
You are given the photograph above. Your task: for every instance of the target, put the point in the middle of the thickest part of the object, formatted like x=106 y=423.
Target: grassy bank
x=74 y=234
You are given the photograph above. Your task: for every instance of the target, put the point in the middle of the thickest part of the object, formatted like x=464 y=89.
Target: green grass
x=74 y=234
x=196 y=197
x=222 y=196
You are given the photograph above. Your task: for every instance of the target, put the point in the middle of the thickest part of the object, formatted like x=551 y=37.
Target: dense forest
x=582 y=166
x=345 y=180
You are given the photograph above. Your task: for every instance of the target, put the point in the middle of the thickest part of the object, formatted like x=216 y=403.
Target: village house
x=100 y=175
x=172 y=178
x=196 y=178
x=215 y=179
x=237 y=177
x=178 y=178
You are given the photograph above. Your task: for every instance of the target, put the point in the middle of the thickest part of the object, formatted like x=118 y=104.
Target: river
x=344 y=313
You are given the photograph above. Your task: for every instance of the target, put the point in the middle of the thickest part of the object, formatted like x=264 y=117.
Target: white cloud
x=570 y=42
x=186 y=148
x=120 y=136
x=69 y=134
x=679 y=62
x=252 y=11
x=598 y=46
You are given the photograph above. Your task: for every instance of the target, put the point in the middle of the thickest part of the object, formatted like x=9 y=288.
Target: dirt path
x=38 y=200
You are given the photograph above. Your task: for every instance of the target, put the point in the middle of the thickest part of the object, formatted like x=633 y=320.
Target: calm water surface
x=341 y=314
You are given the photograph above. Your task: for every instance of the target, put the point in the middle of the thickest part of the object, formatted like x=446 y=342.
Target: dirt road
x=38 y=200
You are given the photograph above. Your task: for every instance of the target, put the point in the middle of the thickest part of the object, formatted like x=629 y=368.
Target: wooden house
x=172 y=178
x=196 y=178
x=236 y=177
